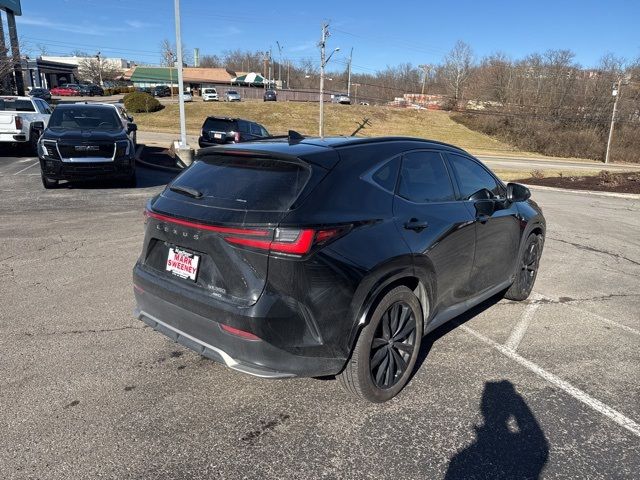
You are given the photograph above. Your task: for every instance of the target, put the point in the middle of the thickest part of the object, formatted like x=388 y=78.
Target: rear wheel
x=387 y=348
x=528 y=264
x=49 y=183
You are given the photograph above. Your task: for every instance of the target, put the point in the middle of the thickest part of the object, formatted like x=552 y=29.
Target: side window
x=424 y=178
x=473 y=177
x=387 y=175
x=243 y=126
x=255 y=129
x=263 y=132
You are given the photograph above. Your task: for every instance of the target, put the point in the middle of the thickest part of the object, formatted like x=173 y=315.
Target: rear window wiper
x=191 y=192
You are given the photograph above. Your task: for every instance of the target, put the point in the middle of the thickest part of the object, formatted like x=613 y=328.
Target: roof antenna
x=365 y=122
x=294 y=137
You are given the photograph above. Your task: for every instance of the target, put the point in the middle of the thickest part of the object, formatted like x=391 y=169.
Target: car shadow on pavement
x=510 y=444
x=145 y=177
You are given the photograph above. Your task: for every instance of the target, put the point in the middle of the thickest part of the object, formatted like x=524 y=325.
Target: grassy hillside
x=279 y=117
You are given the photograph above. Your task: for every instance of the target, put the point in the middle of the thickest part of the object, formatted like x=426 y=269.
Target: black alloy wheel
x=392 y=345
x=386 y=351
x=527 y=271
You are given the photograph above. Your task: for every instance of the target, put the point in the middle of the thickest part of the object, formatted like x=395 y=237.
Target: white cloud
x=84 y=29
x=138 y=24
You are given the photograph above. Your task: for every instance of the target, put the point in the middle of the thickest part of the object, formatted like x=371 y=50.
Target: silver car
x=342 y=98
x=232 y=96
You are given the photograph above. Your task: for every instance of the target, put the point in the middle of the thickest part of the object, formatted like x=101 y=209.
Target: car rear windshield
x=209 y=90
x=85 y=118
x=245 y=183
x=232 y=92
x=219 y=125
x=10 y=105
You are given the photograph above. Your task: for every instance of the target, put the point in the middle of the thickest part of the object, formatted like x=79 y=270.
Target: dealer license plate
x=183 y=264
x=217 y=135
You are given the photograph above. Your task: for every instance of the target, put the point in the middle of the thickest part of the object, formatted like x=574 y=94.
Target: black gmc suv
x=334 y=256
x=85 y=141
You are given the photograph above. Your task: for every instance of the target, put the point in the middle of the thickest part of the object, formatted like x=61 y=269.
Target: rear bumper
x=208 y=143
x=203 y=333
x=13 y=137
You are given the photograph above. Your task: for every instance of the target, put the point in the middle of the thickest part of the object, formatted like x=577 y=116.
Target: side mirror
x=485 y=208
x=130 y=118
x=517 y=192
x=37 y=125
x=482 y=194
x=132 y=127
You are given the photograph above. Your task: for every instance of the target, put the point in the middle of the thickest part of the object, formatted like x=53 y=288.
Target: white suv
x=209 y=94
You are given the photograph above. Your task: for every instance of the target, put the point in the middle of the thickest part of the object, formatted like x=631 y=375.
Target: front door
x=498 y=233
x=437 y=227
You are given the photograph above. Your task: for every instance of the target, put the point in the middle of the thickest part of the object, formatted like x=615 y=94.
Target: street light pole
x=323 y=62
x=616 y=93
x=100 y=68
x=349 y=80
x=183 y=126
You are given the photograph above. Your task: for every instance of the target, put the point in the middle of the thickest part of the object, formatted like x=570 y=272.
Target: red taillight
x=289 y=241
x=18 y=119
x=239 y=333
x=236 y=136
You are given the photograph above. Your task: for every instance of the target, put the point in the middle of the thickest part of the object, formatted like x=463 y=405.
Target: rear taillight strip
x=300 y=246
x=210 y=228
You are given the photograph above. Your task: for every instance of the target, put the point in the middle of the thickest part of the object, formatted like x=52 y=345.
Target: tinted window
x=85 y=118
x=255 y=129
x=424 y=178
x=244 y=182
x=16 y=105
x=387 y=175
x=472 y=176
x=243 y=126
x=218 y=125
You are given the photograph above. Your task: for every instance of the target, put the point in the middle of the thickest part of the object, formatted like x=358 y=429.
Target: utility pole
x=323 y=62
x=183 y=126
x=171 y=65
x=15 y=51
x=355 y=97
x=425 y=69
x=100 y=68
x=349 y=76
x=264 y=68
x=279 y=62
x=616 y=93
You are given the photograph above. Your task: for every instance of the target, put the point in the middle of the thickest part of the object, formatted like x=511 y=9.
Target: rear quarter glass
x=244 y=183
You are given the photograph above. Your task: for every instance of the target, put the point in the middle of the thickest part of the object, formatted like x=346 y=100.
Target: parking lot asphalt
x=548 y=387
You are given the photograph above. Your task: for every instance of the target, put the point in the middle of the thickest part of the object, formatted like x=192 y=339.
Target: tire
x=528 y=264
x=49 y=183
x=32 y=145
x=375 y=345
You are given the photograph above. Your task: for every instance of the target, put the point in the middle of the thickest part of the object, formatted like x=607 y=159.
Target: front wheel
x=528 y=264
x=386 y=351
x=49 y=183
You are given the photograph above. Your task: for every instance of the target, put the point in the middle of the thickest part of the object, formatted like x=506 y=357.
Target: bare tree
x=457 y=69
x=210 y=61
x=93 y=70
x=168 y=55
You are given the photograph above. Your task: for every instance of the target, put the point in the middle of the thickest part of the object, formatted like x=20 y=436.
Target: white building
x=119 y=63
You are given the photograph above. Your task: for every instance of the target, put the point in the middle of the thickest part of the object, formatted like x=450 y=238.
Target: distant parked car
x=209 y=95
x=42 y=93
x=217 y=130
x=270 y=96
x=187 y=97
x=341 y=98
x=232 y=96
x=162 y=91
x=65 y=91
x=144 y=90
x=90 y=89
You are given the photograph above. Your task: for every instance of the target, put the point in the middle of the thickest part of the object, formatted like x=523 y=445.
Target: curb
x=628 y=196
x=139 y=161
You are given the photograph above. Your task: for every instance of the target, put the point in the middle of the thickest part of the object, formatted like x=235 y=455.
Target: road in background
x=551 y=385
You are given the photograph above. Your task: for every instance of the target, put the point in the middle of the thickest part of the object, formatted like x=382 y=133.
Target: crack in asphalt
x=593 y=249
x=81 y=332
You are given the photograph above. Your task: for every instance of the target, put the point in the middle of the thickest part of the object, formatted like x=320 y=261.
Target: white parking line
x=576 y=393
x=26 y=168
x=520 y=329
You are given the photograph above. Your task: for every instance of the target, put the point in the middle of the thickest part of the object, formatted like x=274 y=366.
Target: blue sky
x=410 y=31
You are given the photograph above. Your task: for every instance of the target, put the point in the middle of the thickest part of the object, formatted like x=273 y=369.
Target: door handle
x=415 y=225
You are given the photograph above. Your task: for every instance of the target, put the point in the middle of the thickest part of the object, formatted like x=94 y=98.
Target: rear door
x=498 y=234
x=225 y=228
x=436 y=226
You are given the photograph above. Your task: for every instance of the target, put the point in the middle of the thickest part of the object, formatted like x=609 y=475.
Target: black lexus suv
x=217 y=130
x=315 y=257
x=85 y=142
